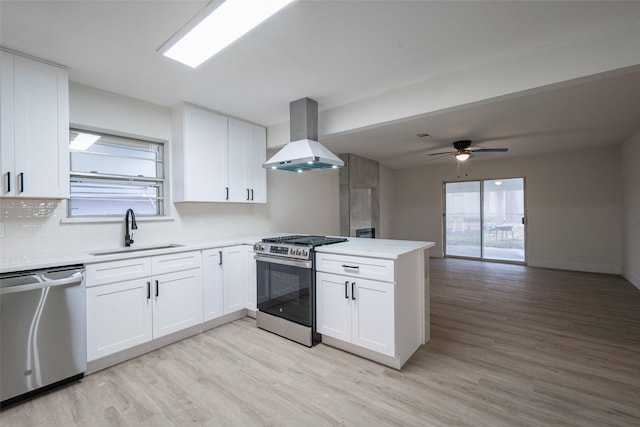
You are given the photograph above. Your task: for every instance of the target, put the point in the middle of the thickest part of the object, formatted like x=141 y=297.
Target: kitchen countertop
x=377 y=248
x=12 y=264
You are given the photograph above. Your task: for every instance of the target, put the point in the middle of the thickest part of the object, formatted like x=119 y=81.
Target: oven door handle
x=291 y=263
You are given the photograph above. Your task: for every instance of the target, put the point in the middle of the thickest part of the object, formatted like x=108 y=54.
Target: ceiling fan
x=464 y=150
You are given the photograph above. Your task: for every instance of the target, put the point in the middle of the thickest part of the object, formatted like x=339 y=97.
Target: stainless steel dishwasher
x=42 y=331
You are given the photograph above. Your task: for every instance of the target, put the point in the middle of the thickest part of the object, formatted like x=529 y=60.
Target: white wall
x=307 y=203
x=630 y=168
x=310 y=202
x=572 y=200
x=387 y=197
x=33 y=228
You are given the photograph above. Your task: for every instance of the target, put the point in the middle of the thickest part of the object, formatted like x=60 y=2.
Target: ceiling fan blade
x=489 y=150
x=441 y=153
x=440 y=156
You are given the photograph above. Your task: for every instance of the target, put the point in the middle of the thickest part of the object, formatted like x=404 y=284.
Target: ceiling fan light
x=462 y=156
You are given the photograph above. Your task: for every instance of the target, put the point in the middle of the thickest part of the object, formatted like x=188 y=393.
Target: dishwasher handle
x=73 y=280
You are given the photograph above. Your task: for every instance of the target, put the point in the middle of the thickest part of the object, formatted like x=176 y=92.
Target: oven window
x=285 y=291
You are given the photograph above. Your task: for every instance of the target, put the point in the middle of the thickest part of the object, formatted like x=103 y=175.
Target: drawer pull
x=353 y=267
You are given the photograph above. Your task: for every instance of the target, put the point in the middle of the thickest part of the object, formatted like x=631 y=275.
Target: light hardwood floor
x=510 y=346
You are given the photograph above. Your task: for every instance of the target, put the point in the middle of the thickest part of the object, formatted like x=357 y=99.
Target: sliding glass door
x=485 y=219
x=463 y=219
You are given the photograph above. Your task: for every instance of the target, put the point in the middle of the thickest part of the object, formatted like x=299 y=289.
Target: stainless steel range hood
x=304 y=152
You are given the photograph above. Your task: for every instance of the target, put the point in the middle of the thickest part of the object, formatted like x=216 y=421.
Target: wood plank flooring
x=510 y=346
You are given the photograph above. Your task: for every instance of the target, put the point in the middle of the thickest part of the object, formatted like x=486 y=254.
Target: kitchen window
x=114 y=174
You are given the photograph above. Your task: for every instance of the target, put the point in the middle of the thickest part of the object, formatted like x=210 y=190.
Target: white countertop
x=378 y=248
x=11 y=264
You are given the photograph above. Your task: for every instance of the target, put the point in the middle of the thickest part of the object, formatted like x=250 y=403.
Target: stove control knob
x=305 y=252
x=298 y=251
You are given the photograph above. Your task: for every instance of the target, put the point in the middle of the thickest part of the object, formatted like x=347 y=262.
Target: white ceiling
x=346 y=52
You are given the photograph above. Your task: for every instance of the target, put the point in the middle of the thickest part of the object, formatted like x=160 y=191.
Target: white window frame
x=97 y=176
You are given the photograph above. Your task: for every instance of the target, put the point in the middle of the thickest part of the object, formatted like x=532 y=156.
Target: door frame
x=482 y=258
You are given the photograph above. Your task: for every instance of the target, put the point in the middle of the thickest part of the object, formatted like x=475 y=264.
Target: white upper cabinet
x=199 y=155
x=247 y=153
x=34 y=110
x=215 y=158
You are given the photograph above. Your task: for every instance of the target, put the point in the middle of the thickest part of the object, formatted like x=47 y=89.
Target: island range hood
x=304 y=152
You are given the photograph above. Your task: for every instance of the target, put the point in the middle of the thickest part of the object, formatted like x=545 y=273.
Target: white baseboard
x=574 y=266
x=635 y=280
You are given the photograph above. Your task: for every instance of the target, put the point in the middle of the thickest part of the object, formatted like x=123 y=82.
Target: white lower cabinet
x=212 y=284
x=118 y=317
x=373 y=307
x=225 y=275
x=357 y=311
x=122 y=313
x=234 y=273
x=252 y=280
x=177 y=303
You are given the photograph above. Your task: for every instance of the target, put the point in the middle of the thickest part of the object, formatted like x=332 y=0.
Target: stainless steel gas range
x=286 y=285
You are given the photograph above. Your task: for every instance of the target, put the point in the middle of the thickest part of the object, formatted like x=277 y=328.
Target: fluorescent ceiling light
x=83 y=141
x=217 y=27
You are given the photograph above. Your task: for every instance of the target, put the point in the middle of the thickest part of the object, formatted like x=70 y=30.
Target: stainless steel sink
x=137 y=249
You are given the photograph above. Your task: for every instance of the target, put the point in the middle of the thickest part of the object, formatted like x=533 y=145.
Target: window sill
x=114 y=219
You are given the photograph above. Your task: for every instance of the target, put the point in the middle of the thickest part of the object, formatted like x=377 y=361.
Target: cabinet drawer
x=369 y=268
x=117 y=271
x=176 y=262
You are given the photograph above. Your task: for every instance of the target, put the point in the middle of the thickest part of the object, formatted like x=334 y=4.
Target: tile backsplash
x=37 y=228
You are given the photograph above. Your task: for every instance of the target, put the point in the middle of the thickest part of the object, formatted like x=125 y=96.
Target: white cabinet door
x=119 y=316
x=256 y=156
x=212 y=284
x=333 y=306
x=234 y=270
x=40 y=130
x=7 y=120
x=239 y=139
x=177 y=299
x=247 y=153
x=199 y=150
x=373 y=317
x=252 y=278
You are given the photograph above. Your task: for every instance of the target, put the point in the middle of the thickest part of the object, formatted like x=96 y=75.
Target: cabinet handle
x=248 y=194
x=346 y=293
x=21 y=175
x=353 y=292
x=220 y=262
x=157 y=288
x=148 y=290
x=252 y=194
x=8 y=182
x=353 y=267
x=227 y=190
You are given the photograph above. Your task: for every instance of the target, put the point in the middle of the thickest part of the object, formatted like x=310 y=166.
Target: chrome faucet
x=128 y=238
